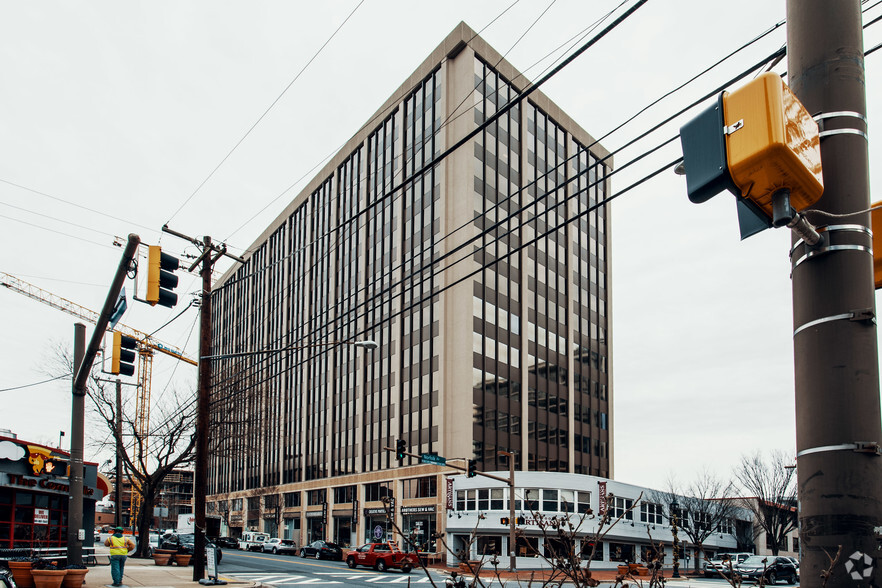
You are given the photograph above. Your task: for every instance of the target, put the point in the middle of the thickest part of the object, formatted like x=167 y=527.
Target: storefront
x=343 y=528
x=316 y=524
x=377 y=526
x=419 y=524
x=35 y=492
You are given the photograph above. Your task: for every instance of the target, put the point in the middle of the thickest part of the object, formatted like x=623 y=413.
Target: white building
x=479 y=506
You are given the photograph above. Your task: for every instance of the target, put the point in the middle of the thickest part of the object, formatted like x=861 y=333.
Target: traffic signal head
x=757 y=142
x=472 y=468
x=400 y=449
x=55 y=466
x=160 y=279
x=122 y=356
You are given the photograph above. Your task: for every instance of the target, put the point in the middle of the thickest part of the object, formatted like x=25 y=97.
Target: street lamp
x=511 y=508
x=675 y=509
x=200 y=474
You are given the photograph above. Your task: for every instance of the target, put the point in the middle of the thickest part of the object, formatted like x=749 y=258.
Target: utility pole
x=210 y=255
x=838 y=430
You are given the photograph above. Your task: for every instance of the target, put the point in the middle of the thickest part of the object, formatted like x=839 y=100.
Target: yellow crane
x=147 y=346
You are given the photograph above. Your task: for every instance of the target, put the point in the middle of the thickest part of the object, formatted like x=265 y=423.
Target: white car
x=283 y=546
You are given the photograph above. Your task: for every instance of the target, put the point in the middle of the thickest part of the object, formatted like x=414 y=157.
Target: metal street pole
x=511 y=509
x=77 y=416
x=835 y=351
x=117 y=517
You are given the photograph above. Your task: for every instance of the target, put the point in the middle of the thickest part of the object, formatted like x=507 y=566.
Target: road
x=286 y=570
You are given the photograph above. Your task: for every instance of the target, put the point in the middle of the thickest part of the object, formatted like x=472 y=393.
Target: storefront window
x=420 y=528
x=343 y=531
x=490 y=545
x=527 y=546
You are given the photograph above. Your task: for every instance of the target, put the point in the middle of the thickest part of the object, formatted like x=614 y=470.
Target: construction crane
x=147 y=346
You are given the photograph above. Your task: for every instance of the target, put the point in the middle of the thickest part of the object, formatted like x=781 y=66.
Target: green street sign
x=433 y=458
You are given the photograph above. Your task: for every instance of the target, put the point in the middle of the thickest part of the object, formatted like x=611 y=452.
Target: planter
x=48 y=578
x=74 y=578
x=182 y=559
x=161 y=559
x=21 y=573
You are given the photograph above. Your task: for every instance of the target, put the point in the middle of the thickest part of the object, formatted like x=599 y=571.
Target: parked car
x=795 y=562
x=772 y=568
x=183 y=543
x=154 y=540
x=228 y=542
x=721 y=564
x=283 y=546
x=322 y=550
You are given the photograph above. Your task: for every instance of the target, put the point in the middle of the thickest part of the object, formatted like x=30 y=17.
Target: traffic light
x=504 y=521
x=160 y=279
x=761 y=144
x=122 y=356
x=471 y=469
x=400 y=449
x=876 y=226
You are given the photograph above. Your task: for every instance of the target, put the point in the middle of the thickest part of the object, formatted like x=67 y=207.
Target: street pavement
x=144 y=573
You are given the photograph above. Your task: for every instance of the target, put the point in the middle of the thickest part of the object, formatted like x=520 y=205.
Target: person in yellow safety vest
x=119 y=550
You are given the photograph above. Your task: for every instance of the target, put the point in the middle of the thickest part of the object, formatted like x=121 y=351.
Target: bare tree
x=701 y=508
x=147 y=455
x=770 y=493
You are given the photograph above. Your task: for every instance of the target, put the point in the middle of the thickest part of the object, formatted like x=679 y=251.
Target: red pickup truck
x=381 y=556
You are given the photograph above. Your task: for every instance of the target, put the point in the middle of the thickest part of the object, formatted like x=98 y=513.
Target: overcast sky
x=112 y=115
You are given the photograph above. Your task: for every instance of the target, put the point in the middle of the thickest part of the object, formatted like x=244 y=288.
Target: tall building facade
x=484 y=279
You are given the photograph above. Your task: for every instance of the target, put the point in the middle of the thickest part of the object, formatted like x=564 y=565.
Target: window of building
x=236 y=504
x=651 y=513
x=316 y=497
x=621 y=552
x=421 y=487
x=465 y=500
x=254 y=503
x=549 y=500
x=291 y=499
x=592 y=550
x=490 y=545
x=377 y=491
x=496 y=499
x=484 y=499
x=527 y=546
x=621 y=507
x=344 y=494
x=727 y=527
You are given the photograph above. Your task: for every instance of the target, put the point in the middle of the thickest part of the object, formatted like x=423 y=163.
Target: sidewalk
x=143 y=572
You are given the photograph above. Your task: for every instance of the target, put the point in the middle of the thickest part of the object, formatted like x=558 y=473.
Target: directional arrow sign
x=433 y=458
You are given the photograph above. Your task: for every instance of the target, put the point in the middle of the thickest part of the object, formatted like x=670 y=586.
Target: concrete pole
x=836 y=360
x=77 y=417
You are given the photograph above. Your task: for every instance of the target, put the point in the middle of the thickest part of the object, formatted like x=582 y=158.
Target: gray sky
x=126 y=108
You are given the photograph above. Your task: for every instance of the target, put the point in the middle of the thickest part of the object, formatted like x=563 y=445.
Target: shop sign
x=41 y=516
x=417 y=509
x=44 y=484
x=601 y=495
x=449 y=493
x=374 y=511
x=314 y=514
x=325 y=512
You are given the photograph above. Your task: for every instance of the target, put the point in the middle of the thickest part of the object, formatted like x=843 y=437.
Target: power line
x=387 y=290
x=265 y=112
x=36 y=383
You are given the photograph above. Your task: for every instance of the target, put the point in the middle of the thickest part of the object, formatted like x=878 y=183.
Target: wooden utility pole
x=838 y=429
x=210 y=255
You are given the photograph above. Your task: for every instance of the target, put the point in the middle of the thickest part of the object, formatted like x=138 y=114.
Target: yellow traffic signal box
x=876 y=225
x=772 y=143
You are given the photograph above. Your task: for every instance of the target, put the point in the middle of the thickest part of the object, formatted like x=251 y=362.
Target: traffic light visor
x=772 y=142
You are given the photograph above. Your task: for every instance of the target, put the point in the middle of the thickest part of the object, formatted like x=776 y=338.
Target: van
x=250 y=541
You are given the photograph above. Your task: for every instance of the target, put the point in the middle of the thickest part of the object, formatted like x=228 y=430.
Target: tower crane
x=147 y=346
